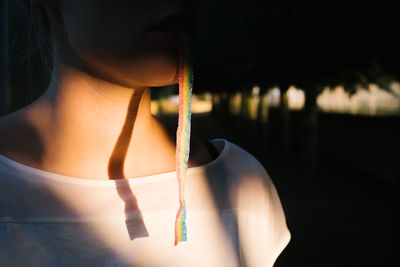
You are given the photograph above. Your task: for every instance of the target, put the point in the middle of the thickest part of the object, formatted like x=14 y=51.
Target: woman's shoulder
x=7 y=130
x=242 y=160
x=19 y=137
x=244 y=172
x=261 y=217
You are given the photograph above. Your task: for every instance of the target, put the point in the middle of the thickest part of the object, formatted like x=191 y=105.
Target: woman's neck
x=91 y=128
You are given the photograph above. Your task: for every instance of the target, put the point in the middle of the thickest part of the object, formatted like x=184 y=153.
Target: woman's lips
x=166 y=38
x=178 y=22
x=172 y=29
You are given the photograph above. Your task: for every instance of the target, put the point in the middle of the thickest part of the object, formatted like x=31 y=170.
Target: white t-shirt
x=234 y=217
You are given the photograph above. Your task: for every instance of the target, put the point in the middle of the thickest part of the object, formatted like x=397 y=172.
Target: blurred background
x=311 y=88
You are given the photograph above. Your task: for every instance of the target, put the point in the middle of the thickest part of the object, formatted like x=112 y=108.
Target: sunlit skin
x=106 y=59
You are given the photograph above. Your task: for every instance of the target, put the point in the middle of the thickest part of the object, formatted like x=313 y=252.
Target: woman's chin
x=154 y=72
x=150 y=80
x=157 y=82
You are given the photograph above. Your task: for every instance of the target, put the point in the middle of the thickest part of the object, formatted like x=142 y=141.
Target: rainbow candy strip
x=183 y=139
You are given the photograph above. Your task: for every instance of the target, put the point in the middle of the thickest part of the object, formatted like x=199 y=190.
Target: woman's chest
x=148 y=241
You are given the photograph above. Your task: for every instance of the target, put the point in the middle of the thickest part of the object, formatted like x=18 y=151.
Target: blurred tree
x=308 y=43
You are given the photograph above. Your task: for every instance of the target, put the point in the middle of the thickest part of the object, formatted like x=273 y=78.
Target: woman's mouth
x=178 y=23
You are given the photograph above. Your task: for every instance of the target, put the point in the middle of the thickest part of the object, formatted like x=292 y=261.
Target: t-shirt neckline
x=42 y=174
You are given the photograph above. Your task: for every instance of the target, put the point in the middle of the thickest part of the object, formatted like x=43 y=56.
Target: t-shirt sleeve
x=263 y=232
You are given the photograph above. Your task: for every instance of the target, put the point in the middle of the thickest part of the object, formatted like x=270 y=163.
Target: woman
x=87 y=174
